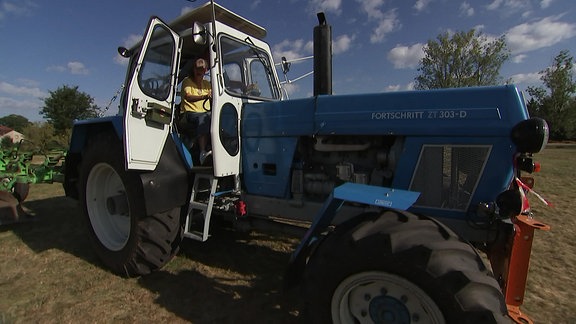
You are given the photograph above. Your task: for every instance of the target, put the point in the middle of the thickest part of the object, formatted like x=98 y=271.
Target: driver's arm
x=191 y=97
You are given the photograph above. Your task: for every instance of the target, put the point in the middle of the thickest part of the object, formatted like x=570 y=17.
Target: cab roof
x=203 y=15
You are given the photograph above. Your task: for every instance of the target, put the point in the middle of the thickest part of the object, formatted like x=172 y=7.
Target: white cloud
x=386 y=25
x=527 y=14
x=342 y=43
x=23 y=91
x=479 y=27
x=27 y=82
x=539 y=34
x=128 y=42
x=509 y=4
x=291 y=88
x=494 y=5
x=255 y=4
x=132 y=40
x=16 y=8
x=119 y=59
x=527 y=78
x=77 y=68
x=372 y=8
x=406 y=56
x=466 y=9
x=22 y=97
x=386 y=22
x=523 y=8
x=393 y=88
x=18 y=106
x=333 y=6
x=519 y=58
x=421 y=4
x=292 y=49
x=545 y=3
x=186 y=9
x=73 y=67
x=399 y=87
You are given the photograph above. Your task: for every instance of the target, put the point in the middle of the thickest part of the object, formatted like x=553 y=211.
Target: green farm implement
x=19 y=169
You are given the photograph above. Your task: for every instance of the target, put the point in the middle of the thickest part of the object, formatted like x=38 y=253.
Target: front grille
x=447 y=175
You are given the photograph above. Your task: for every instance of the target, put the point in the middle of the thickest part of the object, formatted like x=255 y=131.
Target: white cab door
x=150 y=97
x=243 y=73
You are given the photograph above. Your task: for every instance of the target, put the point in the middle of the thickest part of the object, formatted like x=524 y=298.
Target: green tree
x=40 y=136
x=556 y=101
x=16 y=122
x=66 y=104
x=466 y=59
x=6 y=143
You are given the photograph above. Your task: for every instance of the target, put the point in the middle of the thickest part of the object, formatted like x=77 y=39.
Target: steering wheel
x=209 y=101
x=154 y=87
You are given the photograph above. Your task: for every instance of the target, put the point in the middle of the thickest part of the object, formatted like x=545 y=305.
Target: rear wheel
x=127 y=240
x=396 y=267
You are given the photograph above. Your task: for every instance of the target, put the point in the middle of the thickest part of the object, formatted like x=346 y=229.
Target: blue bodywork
x=271 y=131
x=82 y=129
x=463 y=116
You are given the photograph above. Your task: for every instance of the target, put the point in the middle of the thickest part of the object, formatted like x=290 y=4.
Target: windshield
x=247 y=70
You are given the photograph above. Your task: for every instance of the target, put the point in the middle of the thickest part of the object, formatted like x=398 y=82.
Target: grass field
x=49 y=274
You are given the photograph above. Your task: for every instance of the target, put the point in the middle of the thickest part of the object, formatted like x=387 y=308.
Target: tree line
x=61 y=108
x=462 y=59
x=467 y=59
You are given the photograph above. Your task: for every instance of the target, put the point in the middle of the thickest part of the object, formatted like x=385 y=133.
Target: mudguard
x=352 y=192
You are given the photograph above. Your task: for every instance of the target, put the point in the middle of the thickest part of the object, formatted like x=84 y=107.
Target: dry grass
x=48 y=272
x=551 y=290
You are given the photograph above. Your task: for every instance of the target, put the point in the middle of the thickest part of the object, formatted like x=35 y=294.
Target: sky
x=377 y=44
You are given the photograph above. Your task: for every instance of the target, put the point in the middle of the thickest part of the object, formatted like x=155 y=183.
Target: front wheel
x=127 y=240
x=397 y=267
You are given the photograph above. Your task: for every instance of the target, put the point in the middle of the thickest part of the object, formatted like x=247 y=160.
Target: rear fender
x=82 y=133
x=164 y=188
x=167 y=186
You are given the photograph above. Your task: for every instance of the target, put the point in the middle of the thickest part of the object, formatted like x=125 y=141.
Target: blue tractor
x=399 y=192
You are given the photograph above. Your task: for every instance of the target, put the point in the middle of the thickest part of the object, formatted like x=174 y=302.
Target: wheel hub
x=380 y=297
x=117 y=205
x=107 y=206
x=385 y=309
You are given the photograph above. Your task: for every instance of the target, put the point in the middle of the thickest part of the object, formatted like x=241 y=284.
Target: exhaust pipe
x=322 y=57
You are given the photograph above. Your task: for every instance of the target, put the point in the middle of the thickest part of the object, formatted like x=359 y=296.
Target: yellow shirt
x=191 y=88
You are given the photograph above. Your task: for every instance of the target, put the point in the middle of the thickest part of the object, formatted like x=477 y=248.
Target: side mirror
x=285 y=65
x=124 y=52
x=199 y=34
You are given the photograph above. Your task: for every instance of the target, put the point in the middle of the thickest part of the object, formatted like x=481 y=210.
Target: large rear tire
x=127 y=240
x=396 y=267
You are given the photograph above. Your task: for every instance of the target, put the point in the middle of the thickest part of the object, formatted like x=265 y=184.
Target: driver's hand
x=252 y=89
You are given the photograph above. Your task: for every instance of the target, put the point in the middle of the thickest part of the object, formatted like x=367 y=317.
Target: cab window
x=247 y=70
x=155 y=73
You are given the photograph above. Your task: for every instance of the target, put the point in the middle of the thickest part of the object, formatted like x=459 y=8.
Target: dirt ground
x=49 y=273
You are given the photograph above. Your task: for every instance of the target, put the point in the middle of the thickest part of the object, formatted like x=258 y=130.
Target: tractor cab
x=241 y=70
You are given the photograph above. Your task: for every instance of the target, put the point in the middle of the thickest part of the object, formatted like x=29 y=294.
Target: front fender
x=353 y=192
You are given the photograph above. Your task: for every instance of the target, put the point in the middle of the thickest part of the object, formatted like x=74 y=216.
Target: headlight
x=530 y=135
